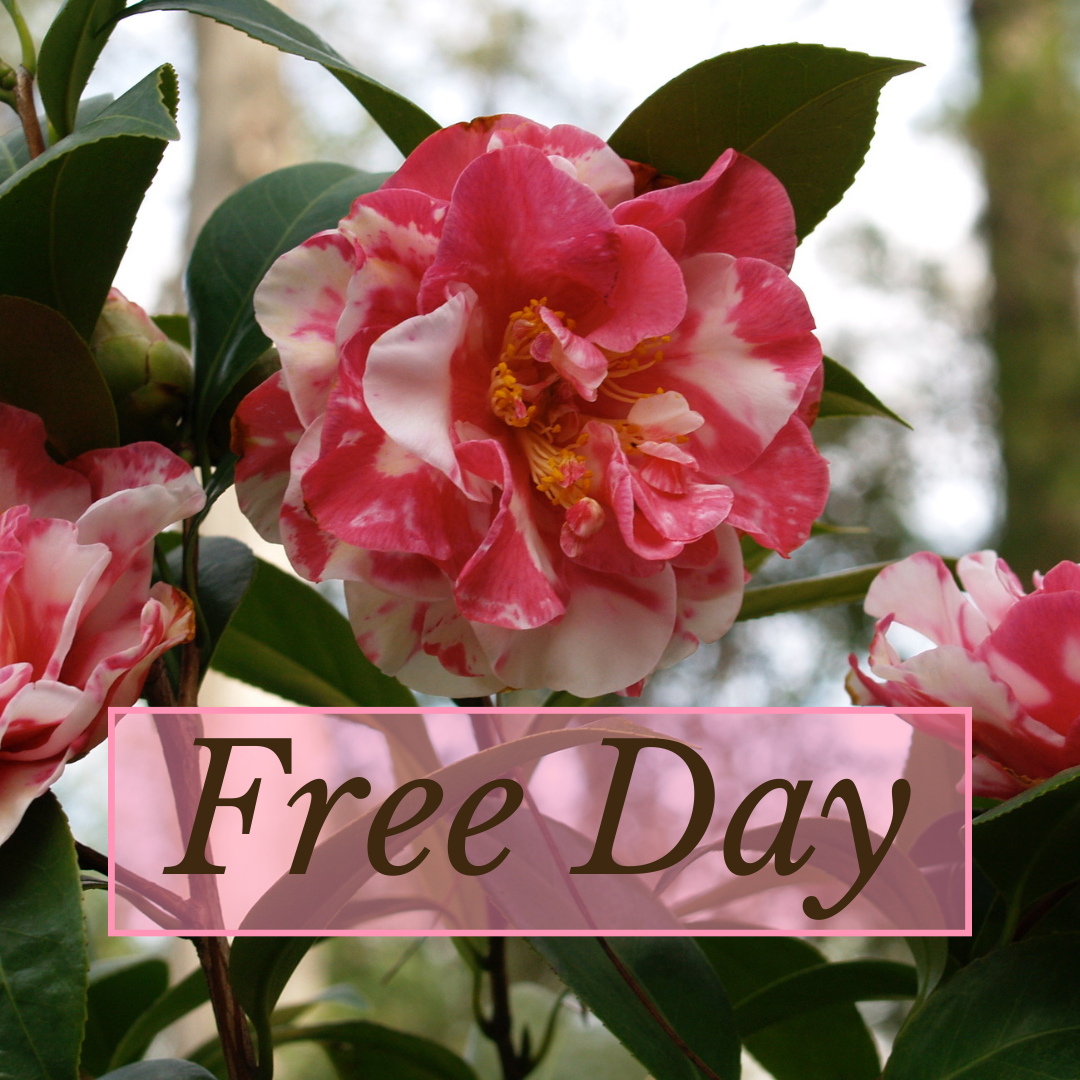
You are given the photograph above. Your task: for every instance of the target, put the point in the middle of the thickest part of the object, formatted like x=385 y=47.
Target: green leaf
x=160 y=1069
x=177 y=1001
x=841 y=587
x=47 y=368
x=323 y=666
x=563 y=699
x=65 y=218
x=14 y=153
x=406 y=124
x=226 y=570
x=931 y=955
x=68 y=54
x=845 y=395
x=762 y=978
x=43 y=965
x=1030 y=845
x=680 y=984
x=826 y=984
x=118 y=994
x=1014 y=1013
x=259 y=968
x=175 y=327
x=805 y=112
x=361 y=1048
x=236 y=247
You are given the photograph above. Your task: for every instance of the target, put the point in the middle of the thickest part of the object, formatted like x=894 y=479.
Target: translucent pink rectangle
x=626 y=821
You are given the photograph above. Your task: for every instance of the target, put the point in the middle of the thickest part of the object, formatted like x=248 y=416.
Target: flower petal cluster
x=80 y=623
x=1013 y=657
x=524 y=412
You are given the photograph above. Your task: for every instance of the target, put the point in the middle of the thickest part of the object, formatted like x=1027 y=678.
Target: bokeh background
x=948 y=273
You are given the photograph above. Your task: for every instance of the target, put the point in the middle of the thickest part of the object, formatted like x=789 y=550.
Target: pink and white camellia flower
x=525 y=414
x=79 y=622
x=1013 y=657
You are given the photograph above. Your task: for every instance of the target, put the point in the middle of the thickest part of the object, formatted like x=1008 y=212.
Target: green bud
x=149 y=376
x=8 y=79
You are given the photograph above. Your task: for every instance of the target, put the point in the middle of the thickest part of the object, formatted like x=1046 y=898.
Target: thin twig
x=639 y=992
x=499 y=1026
x=127 y=882
x=24 y=106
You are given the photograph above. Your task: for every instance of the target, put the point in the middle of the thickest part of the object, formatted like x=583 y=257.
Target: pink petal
x=519 y=229
x=265 y=433
x=920 y=592
x=578 y=652
x=783 y=492
x=990 y=583
x=738 y=208
x=298 y=305
x=407 y=385
x=649 y=298
x=371 y=492
x=390 y=631
x=742 y=357
x=1065 y=577
x=708 y=598
x=20 y=784
x=28 y=476
x=509 y=581
x=578 y=361
x=1035 y=651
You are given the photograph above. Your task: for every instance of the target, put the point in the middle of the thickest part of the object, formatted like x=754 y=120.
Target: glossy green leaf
x=931 y=955
x=761 y=977
x=1030 y=845
x=360 y=1048
x=236 y=247
x=322 y=666
x=65 y=218
x=13 y=150
x=47 y=368
x=406 y=124
x=563 y=699
x=119 y=993
x=841 y=587
x=826 y=984
x=177 y=1001
x=259 y=968
x=68 y=54
x=679 y=982
x=160 y=1069
x=1014 y=1013
x=805 y=112
x=175 y=327
x=43 y=964
x=226 y=570
x=844 y=395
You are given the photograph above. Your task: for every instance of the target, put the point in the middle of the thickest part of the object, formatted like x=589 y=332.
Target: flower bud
x=148 y=375
x=8 y=78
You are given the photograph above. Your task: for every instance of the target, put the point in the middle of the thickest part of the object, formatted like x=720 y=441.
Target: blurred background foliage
x=934 y=333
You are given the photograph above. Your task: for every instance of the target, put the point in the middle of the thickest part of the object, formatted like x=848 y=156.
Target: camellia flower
x=525 y=413
x=79 y=622
x=1014 y=658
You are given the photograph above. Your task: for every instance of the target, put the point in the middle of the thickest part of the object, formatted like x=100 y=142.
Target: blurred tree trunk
x=1026 y=127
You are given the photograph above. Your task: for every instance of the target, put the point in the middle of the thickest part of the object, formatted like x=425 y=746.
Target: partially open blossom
x=525 y=414
x=79 y=622
x=1013 y=657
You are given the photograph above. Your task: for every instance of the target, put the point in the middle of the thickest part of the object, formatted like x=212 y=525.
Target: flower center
x=529 y=395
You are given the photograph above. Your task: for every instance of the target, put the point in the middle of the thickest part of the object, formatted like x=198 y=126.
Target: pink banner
x=527 y=821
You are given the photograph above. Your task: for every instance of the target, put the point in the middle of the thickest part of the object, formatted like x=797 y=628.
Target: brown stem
x=639 y=992
x=24 y=106
x=128 y=883
x=177 y=733
x=499 y=1026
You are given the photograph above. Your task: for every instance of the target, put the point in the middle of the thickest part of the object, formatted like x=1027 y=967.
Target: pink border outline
x=400 y=710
